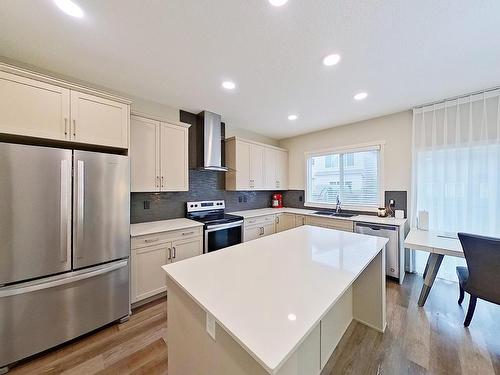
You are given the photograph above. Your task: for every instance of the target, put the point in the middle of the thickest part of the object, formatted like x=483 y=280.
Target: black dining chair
x=481 y=277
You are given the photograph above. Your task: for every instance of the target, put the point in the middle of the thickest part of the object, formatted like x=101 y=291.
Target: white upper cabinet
x=174 y=157
x=270 y=165
x=33 y=108
x=276 y=169
x=282 y=170
x=158 y=156
x=144 y=148
x=99 y=121
x=255 y=166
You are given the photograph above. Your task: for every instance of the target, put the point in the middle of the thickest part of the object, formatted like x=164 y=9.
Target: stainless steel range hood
x=206 y=142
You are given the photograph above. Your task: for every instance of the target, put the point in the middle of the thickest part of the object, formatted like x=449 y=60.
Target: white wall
x=394 y=129
x=154 y=109
x=232 y=131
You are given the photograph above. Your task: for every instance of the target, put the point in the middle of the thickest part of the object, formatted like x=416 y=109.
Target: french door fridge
x=64 y=246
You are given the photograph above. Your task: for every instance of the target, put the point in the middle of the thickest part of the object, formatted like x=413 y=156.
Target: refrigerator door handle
x=58 y=280
x=65 y=217
x=80 y=202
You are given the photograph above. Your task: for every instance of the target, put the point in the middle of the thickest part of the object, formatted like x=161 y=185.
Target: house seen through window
x=352 y=176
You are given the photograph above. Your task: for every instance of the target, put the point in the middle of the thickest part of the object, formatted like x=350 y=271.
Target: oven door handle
x=213 y=228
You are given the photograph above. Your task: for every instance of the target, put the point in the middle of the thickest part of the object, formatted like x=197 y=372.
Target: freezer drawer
x=392 y=261
x=101 y=208
x=35 y=212
x=38 y=315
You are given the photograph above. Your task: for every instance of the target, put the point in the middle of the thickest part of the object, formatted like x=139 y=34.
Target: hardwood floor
x=428 y=340
x=431 y=340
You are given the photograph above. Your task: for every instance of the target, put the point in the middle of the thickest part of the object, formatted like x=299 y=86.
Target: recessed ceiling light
x=331 y=60
x=229 y=85
x=293 y=117
x=292 y=317
x=360 y=96
x=278 y=3
x=70 y=8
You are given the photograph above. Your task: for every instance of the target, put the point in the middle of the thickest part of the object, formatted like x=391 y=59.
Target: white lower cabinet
x=284 y=222
x=300 y=220
x=258 y=227
x=148 y=278
x=151 y=252
x=184 y=249
x=262 y=226
x=345 y=225
x=252 y=233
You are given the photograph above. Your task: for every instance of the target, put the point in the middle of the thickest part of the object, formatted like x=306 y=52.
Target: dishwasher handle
x=376 y=226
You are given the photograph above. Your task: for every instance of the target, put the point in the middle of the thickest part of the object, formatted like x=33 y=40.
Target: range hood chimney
x=206 y=142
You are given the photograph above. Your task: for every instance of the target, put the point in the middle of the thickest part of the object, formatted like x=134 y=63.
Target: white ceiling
x=177 y=52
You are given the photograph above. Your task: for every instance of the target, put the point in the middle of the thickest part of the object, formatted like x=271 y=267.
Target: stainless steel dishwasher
x=392 y=253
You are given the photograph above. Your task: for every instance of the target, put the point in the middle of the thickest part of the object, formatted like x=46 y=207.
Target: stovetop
x=209 y=218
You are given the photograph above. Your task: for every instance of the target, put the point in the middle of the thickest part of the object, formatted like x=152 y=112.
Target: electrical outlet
x=300 y=198
x=211 y=325
x=245 y=199
x=146 y=205
x=240 y=199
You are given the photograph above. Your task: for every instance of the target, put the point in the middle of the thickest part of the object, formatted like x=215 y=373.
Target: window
x=352 y=175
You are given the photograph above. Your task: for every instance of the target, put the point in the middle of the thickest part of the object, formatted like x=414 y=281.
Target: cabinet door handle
x=157 y=181
x=162 y=181
x=65 y=126
x=277 y=219
x=174 y=253
x=152 y=240
x=74 y=128
x=187 y=233
x=169 y=254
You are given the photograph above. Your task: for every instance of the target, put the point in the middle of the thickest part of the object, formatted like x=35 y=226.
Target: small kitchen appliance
x=277 y=201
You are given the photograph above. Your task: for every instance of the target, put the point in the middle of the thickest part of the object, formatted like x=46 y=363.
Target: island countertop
x=269 y=293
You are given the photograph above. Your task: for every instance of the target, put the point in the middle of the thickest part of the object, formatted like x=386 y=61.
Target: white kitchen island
x=276 y=305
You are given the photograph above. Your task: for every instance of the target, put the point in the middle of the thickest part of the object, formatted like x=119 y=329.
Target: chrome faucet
x=337 y=208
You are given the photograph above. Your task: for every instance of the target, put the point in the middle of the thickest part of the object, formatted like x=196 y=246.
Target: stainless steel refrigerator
x=64 y=246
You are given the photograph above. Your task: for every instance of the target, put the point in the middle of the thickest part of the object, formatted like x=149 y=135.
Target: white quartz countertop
x=434 y=242
x=268 y=294
x=300 y=211
x=153 y=227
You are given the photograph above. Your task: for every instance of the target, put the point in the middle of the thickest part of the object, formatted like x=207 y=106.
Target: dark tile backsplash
x=210 y=185
x=400 y=198
x=203 y=185
x=296 y=198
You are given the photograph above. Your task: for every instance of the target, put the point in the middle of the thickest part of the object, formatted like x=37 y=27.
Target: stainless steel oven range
x=220 y=229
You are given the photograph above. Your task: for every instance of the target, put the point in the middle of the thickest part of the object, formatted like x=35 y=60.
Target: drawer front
x=344 y=225
x=164 y=237
x=261 y=220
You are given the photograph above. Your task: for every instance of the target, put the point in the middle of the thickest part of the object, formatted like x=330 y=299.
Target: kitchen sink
x=333 y=214
x=340 y=214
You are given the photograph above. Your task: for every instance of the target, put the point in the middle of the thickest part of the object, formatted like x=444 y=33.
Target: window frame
x=378 y=145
